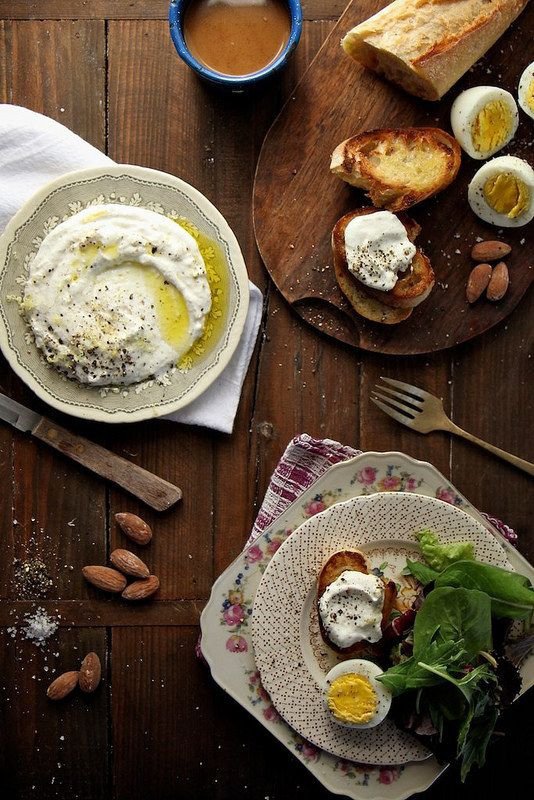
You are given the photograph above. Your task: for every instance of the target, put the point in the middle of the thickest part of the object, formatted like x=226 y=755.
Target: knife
x=155 y=492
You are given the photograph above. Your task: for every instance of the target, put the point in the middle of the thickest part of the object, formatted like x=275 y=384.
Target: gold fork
x=424 y=413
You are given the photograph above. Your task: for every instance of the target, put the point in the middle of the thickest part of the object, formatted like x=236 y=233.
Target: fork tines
x=409 y=401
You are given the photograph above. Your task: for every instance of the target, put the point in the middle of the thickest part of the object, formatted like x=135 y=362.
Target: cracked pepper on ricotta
x=377 y=249
x=116 y=295
x=351 y=608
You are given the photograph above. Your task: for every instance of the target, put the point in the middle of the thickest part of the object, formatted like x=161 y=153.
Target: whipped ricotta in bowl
x=116 y=295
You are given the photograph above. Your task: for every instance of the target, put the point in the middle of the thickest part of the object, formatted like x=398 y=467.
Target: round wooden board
x=297 y=201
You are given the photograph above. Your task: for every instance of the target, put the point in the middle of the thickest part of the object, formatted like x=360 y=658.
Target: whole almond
x=490 y=251
x=139 y=590
x=90 y=673
x=105 y=578
x=129 y=563
x=498 y=285
x=477 y=282
x=62 y=686
x=134 y=527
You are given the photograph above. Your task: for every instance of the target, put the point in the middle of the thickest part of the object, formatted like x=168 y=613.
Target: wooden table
x=159 y=727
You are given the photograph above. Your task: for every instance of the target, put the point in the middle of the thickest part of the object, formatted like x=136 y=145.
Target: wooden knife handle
x=155 y=492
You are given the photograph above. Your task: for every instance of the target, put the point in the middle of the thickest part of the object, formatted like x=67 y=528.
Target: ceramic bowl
x=127 y=185
x=236 y=84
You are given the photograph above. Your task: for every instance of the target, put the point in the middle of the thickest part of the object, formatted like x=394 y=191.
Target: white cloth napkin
x=35 y=149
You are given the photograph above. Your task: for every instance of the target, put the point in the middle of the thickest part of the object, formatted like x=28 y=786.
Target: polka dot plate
x=289 y=651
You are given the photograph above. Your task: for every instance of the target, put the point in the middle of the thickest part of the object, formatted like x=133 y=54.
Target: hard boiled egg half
x=484 y=119
x=502 y=192
x=525 y=92
x=353 y=695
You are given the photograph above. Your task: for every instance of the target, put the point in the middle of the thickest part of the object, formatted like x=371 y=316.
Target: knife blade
x=151 y=489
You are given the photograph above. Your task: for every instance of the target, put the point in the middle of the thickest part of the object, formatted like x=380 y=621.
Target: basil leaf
x=511 y=594
x=421 y=572
x=451 y=615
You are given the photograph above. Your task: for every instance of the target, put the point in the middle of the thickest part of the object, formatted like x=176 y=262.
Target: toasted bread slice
x=390 y=307
x=398 y=168
x=337 y=564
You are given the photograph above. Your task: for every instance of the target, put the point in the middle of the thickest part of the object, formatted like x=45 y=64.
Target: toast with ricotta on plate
x=387 y=307
x=398 y=167
x=336 y=565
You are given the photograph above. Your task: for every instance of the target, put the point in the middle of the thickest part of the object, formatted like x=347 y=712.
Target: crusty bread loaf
x=393 y=306
x=425 y=46
x=337 y=564
x=398 y=167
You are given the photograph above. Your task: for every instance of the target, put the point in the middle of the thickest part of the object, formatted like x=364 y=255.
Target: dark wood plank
x=52 y=750
x=50 y=509
x=127 y=9
x=493 y=399
x=336 y=99
x=67 y=64
x=101 y=611
x=159 y=118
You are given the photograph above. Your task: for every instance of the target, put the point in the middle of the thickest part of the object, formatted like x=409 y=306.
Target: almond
x=138 y=590
x=62 y=686
x=490 y=251
x=499 y=282
x=105 y=578
x=477 y=282
x=134 y=527
x=129 y=563
x=90 y=673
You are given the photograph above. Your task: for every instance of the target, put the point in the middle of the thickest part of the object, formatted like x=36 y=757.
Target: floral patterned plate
x=135 y=186
x=226 y=619
x=289 y=649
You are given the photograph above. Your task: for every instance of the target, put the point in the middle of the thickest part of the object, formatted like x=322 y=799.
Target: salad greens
x=452 y=677
x=438 y=556
x=511 y=594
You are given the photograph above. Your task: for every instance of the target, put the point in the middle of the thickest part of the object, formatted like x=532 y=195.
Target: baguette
x=398 y=168
x=425 y=46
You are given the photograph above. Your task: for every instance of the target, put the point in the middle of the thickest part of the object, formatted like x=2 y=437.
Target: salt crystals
x=38 y=627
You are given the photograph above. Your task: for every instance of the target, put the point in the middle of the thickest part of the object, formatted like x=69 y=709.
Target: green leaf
x=511 y=594
x=421 y=572
x=469 y=683
x=410 y=675
x=451 y=615
x=475 y=739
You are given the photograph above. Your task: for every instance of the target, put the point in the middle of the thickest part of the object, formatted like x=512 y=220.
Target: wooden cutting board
x=297 y=201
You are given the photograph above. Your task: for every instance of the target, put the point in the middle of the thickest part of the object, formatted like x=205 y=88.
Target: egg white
x=526 y=79
x=370 y=671
x=465 y=110
x=501 y=165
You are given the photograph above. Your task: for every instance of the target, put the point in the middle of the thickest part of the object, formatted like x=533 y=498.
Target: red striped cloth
x=303 y=462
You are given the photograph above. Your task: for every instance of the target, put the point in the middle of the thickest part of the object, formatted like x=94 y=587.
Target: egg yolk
x=507 y=194
x=529 y=95
x=351 y=698
x=491 y=126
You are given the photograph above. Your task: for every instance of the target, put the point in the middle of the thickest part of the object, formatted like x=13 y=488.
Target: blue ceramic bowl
x=235 y=83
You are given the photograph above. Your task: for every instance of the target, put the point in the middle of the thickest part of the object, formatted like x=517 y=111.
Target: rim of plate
x=221 y=352
x=296 y=595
